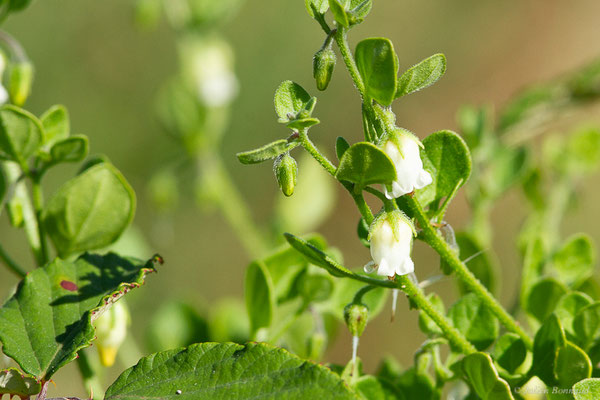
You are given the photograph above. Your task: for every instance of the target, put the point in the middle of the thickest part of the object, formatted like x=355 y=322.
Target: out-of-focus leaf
x=575 y=260
x=20 y=134
x=481 y=373
x=475 y=321
x=258 y=288
x=543 y=298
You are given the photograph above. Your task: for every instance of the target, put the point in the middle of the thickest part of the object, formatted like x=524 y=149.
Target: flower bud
x=323 y=64
x=390 y=236
x=356 y=317
x=111 y=330
x=286 y=171
x=20 y=81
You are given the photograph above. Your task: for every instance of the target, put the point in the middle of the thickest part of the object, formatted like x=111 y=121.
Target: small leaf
x=474 y=320
x=571 y=365
x=72 y=149
x=339 y=12
x=510 y=352
x=586 y=323
x=89 y=211
x=43 y=325
x=341 y=145
x=290 y=99
x=422 y=75
x=446 y=157
x=267 y=152
x=227 y=370
x=575 y=260
x=320 y=5
x=20 y=134
x=543 y=298
x=507 y=167
x=359 y=9
x=568 y=307
x=479 y=370
x=548 y=339
x=258 y=289
x=302 y=123
x=377 y=63
x=364 y=164
x=56 y=124
x=587 y=389
x=15 y=383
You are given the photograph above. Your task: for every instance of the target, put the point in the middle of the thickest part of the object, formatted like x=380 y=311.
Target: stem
x=432 y=238
x=342 y=42
x=450 y=332
x=91 y=380
x=38 y=206
x=315 y=153
x=11 y=264
x=363 y=207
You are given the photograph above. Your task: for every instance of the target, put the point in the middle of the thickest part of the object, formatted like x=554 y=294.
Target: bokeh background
x=90 y=57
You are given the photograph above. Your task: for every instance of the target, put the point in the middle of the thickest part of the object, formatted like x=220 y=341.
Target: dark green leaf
x=481 y=373
x=341 y=145
x=290 y=99
x=446 y=157
x=543 y=298
x=267 y=152
x=72 y=149
x=571 y=365
x=510 y=352
x=49 y=319
x=89 y=211
x=422 y=75
x=221 y=371
x=548 y=339
x=14 y=383
x=474 y=320
x=56 y=124
x=575 y=260
x=378 y=65
x=587 y=323
x=20 y=134
x=362 y=230
x=258 y=289
x=587 y=389
x=364 y=164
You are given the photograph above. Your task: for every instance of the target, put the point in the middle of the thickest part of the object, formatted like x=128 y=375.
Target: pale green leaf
x=422 y=75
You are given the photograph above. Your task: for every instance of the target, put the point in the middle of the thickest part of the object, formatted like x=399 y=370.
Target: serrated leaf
x=543 y=298
x=571 y=365
x=447 y=158
x=89 y=211
x=364 y=164
x=267 y=152
x=258 y=290
x=510 y=351
x=575 y=260
x=227 y=370
x=290 y=99
x=422 y=75
x=481 y=373
x=587 y=389
x=49 y=318
x=72 y=149
x=377 y=63
x=56 y=124
x=320 y=5
x=15 y=383
x=20 y=134
x=474 y=320
x=548 y=339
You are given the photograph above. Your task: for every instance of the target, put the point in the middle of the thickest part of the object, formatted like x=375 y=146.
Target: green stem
x=38 y=206
x=91 y=381
x=450 y=332
x=342 y=43
x=363 y=207
x=11 y=264
x=431 y=236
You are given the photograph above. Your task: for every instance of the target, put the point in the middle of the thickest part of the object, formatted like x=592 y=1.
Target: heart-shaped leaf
x=364 y=164
x=49 y=318
x=20 y=134
x=227 y=370
x=422 y=75
x=377 y=63
x=267 y=152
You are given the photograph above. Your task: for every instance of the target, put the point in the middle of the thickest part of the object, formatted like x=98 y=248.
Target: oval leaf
x=364 y=164
x=377 y=63
x=258 y=289
x=548 y=339
x=586 y=323
x=73 y=149
x=543 y=298
x=290 y=99
x=571 y=365
x=20 y=134
x=56 y=124
x=320 y=6
x=474 y=320
x=227 y=370
x=481 y=373
x=338 y=10
x=422 y=75
x=89 y=211
x=267 y=152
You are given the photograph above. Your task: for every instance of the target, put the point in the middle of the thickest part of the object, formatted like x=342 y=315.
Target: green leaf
x=586 y=323
x=587 y=389
x=290 y=100
x=226 y=370
x=543 y=298
x=568 y=307
x=571 y=365
x=377 y=63
x=320 y=5
x=481 y=373
x=575 y=260
x=584 y=151
x=49 y=318
x=338 y=10
x=359 y=9
x=56 y=124
x=89 y=211
x=302 y=123
x=446 y=157
x=364 y=164
x=510 y=352
x=507 y=167
x=258 y=289
x=372 y=388
x=474 y=320
x=20 y=134
x=72 y=149
x=479 y=262
x=548 y=339
x=267 y=152
x=14 y=383
x=341 y=145
x=416 y=385
x=426 y=324
x=422 y=75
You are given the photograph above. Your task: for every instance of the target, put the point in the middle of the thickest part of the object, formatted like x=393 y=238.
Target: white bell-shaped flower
x=403 y=149
x=111 y=330
x=391 y=236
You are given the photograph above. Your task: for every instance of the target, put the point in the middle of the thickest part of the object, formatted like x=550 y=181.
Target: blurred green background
x=90 y=57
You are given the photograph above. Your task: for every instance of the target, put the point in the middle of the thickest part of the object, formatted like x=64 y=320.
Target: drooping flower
x=390 y=236
x=111 y=330
x=403 y=149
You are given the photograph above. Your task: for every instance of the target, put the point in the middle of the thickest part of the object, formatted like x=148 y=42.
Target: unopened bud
x=356 y=317
x=111 y=330
x=323 y=64
x=20 y=81
x=286 y=171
